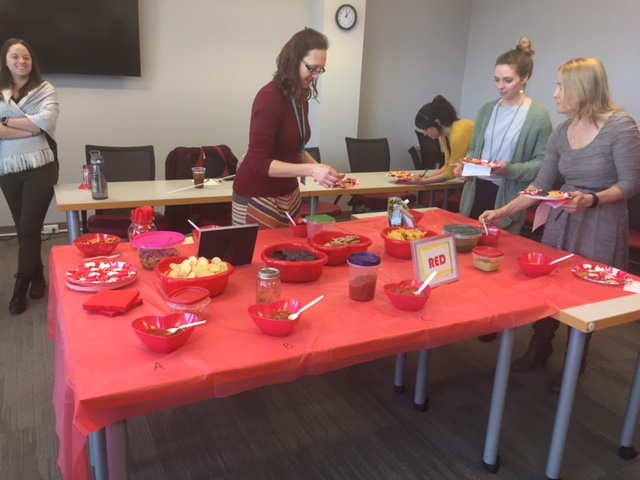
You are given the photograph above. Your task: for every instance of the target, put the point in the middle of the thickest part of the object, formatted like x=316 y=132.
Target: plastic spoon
x=425 y=283
x=193 y=225
x=294 y=316
x=293 y=222
x=484 y=224
x=561 y=259
x=187 y=325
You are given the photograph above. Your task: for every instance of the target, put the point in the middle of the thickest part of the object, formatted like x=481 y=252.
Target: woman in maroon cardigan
x=266 y=184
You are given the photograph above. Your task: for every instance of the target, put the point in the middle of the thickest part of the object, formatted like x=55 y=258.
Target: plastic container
x=293 y=270
x=535 y=264
x=466 y=236
x=194 y=300
x=319 y=223
x=338 y=254
x=300 y=228
x=487 y=259
x=153 y=247
x=96 y=244
x=363 y=275
x=262 y=314
x=268 y=285
x=490 y=239
x=215 y=284
x=402 y=297
x=143 y=327
x=401 y=248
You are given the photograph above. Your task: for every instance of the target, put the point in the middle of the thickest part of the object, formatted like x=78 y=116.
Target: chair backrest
x=125 y=164
x=315 y=153
x=432 y=156
x=415 y=157
x=368 y=154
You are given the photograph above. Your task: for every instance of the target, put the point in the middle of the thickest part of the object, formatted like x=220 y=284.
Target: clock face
x=346 y=17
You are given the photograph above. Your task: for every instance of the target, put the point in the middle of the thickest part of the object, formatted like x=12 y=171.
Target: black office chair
x=122 y=164
x=371 y=155
x=415 y=158
x=430 y=152
x=324 y=208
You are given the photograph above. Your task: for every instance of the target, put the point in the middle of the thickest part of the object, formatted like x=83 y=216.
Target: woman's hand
x=499 y=169
x=325 y=175
x=457 y=170
x=492 y=217
x=579 y=201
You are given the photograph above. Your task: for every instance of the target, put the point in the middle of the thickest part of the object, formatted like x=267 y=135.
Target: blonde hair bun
x=524 y=46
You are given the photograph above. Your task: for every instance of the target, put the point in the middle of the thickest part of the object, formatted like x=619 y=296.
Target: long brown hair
x=520 y=58
x=6 y=79
x=287 y=75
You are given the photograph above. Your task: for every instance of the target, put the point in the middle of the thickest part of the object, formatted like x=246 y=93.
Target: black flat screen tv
x=85 y=37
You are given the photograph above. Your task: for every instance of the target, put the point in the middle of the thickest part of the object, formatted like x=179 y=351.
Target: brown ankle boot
x=540 y=346
x=556 y=384
x=18 y=302
x=38 y=283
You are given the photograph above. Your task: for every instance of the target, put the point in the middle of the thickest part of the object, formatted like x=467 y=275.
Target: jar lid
x=188 y=295
x=269 y=273
x=490 y=252
x=161 y=239
x=462 y=230
x=320 y=218
x=364 y=259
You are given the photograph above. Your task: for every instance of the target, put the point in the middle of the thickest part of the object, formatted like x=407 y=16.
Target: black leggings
x=28 y=195
x=485 y=199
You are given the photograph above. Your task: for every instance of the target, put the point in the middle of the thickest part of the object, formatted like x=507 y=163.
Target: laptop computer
x=234 y=244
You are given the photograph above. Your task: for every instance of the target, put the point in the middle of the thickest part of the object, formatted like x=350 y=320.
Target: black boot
x=38 y=283
x=540 y=346
x=556 y=384
x=18 y=303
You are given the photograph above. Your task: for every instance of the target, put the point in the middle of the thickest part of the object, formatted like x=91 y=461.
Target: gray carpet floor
x=347 y=424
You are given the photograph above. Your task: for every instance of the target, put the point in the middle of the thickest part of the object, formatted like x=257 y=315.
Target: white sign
x=436 y=254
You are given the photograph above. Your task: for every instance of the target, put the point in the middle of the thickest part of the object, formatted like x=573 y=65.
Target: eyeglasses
x=312 y=70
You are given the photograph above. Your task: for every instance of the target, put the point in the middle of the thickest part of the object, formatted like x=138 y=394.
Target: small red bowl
x=96 y=244
x=300 y=228
x=339 y=255
x=535 y=264
x=401 y=248
x=491 y=239
x=159 y=343
x=262 y=314
x=295 y=271
x=407 y=302
x=216 y=284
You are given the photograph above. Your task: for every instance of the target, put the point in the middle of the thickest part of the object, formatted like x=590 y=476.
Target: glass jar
x=268 y=286
x=136 y=229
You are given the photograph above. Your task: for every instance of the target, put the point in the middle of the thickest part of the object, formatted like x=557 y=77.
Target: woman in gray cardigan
x=512 y=131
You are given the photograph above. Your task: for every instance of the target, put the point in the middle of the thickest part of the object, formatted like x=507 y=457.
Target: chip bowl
x=535 y=264
x=401 y=248
x=164 y=344
x=339 y=255
x=216 y=284
x=262 y=315
x=407 y=302
x=97 y=244
x=295 y=271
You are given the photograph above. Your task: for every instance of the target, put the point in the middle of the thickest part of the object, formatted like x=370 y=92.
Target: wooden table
x=71 y=199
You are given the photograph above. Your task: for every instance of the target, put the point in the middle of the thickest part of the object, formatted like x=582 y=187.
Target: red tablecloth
x=105 y=374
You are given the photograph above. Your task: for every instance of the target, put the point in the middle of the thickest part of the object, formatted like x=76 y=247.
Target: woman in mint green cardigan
x=512 y=131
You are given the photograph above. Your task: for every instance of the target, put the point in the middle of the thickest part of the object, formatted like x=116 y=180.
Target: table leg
x=626 y=450
x=117 y=450
x=565 y=403
x=401 y=367
x=98 y=454
x=313 y=209
x=420 y=400
x=490 y=458
x=73 y=224
x=445 y=199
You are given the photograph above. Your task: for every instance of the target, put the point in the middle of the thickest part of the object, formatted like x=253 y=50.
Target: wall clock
x=346 y=17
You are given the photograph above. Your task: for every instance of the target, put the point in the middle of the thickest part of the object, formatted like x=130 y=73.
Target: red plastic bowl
x=164 y=344
x=339 y=255
x=535 y=264
x=262 y=314
x=491 y=239
x=407 y=302
x=300 y=228
x=400 y=248
x=96 y=244
x=295 y=271
x=216 y=284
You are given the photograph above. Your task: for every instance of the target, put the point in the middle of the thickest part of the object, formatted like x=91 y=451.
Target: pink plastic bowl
x=300 y=228
x=491 y=239
x=96 y=244
x=262 y=314
x=407 y=302
x=535 y=264
x=400 y=248
x=339 y=255
x=216 y=284
x=164 y=344
x=295 y=271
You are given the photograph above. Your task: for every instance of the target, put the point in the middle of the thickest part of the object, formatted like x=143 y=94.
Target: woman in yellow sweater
x=439 y=119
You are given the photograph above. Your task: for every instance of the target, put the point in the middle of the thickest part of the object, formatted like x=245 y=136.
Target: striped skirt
x=268 y=212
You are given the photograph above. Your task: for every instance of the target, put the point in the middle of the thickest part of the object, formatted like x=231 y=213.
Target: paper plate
x=347 y=182
x=602 y=274
x=400 y=175
x=553 y=195
x=91 y=288
x=478 y=161
x=100 y=273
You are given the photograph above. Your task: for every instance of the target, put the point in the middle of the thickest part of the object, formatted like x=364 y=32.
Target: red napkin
x=113 y=302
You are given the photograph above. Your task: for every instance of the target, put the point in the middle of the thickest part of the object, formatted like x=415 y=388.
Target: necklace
x=301 y=124
x=494 y=156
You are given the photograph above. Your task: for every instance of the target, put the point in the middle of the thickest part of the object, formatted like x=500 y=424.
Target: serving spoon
x=186 y=325
x=425 y=283
x=561 y=258
x=293 y=222
x=294 y=316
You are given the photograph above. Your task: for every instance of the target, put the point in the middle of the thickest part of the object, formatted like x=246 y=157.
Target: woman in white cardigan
x=28 y=160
